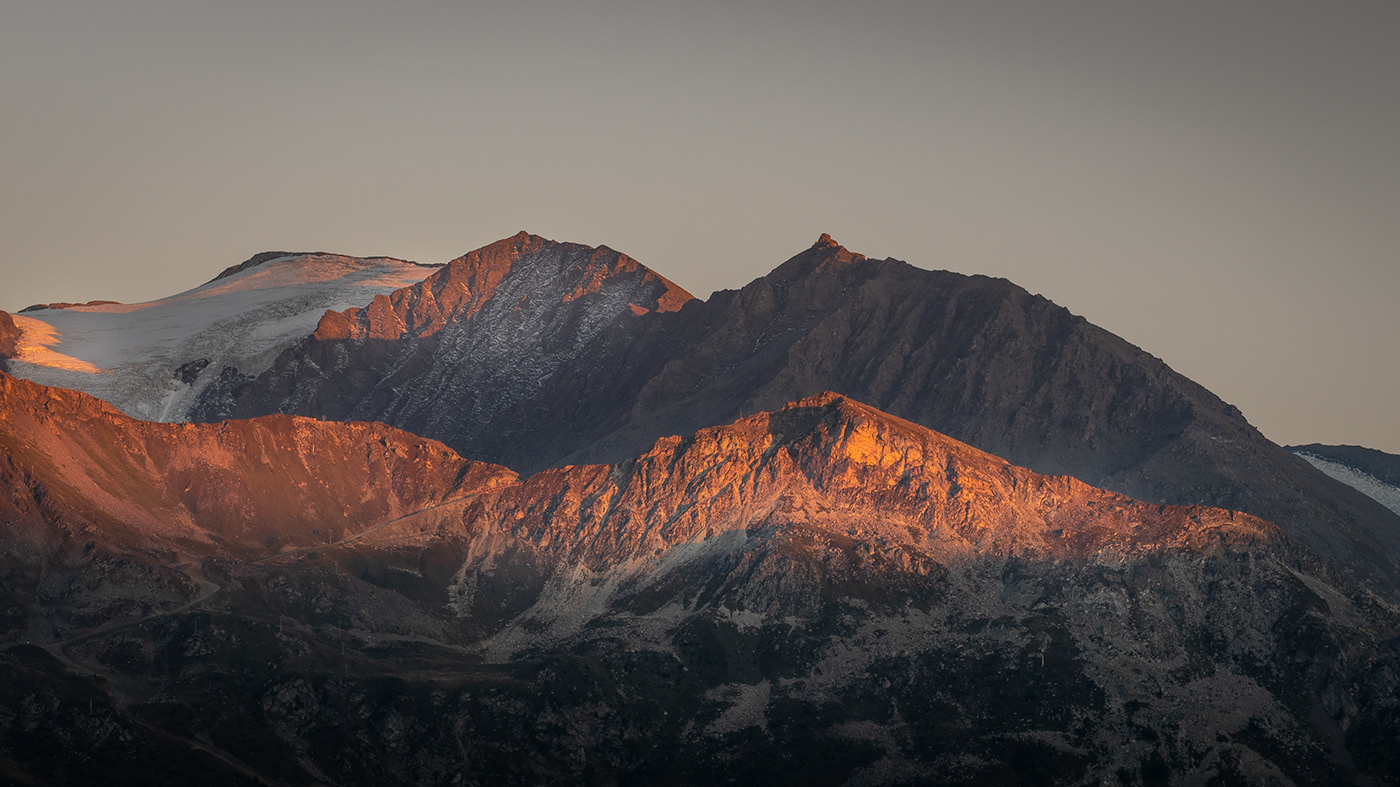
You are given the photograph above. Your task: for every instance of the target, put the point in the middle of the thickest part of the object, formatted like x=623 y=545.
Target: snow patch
x=1365 y=483
x=127 y=354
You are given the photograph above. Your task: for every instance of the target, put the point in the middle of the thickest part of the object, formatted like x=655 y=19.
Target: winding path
x=193 y=568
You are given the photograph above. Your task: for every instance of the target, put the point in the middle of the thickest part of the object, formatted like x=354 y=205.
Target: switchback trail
x=361 y=534
x=193 y=568
x=120 y=696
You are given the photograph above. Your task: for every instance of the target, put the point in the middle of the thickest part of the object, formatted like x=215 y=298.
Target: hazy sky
x=1219 y=183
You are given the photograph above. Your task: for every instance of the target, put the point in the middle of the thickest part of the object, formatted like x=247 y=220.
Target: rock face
x=9 y=339
x=74 y=469
x=464 y=355
x=821 y=594
x=513 y=377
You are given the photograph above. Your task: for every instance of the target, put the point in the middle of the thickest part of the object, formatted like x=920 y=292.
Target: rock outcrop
x=464 y=355
x=9 y=339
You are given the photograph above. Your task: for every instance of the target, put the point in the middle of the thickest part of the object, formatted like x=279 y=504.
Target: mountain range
x=532 y=353
x=539 y=515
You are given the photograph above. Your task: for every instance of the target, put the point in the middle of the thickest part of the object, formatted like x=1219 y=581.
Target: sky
x=1216 y=182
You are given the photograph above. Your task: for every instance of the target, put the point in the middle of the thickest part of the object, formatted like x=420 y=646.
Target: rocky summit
x=539 y=516
x=455 y=356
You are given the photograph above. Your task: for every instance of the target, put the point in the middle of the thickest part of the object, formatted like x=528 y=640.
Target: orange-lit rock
x=464 y=285
x=9 y=338
x=830 y=466
x=75 y=469
x=825 y=465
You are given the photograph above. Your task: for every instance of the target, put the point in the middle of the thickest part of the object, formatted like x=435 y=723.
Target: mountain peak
x=504 y=250
x=826 y=254
x=531 y=267
x=256 y=260
x=816 y=400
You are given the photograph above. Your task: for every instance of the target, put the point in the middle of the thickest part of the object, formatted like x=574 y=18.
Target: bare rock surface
x=464 y=355
x=498 y=357
x=76 y=469
x=818 y=594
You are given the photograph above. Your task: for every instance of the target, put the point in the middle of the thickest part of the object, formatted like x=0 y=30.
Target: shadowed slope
x=457 y=356
x=493 y=357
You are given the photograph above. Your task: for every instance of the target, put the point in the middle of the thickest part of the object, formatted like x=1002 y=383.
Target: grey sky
x=1218 y=183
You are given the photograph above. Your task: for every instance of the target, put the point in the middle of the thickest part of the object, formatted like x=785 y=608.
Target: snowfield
x=1383 y=493
x=130 y=354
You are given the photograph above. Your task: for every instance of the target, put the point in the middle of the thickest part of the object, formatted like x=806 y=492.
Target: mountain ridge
x=397 y=359
x=597 y=370
x=974 y=357
x=804 y=464
x=815 y=594
x=76 y=463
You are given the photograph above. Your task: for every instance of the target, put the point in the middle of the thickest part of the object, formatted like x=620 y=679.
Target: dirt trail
x=193 y=568
x=190 y=567
x=362 y=533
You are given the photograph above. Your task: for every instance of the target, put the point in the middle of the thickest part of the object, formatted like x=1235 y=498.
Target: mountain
x=1374 y=473
x=462 y=354
x=821 y=594
x=517 y=364
x=75 y=468
x=152 y=360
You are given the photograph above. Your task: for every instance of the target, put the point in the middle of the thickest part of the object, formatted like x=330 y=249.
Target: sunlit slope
x=152 y=359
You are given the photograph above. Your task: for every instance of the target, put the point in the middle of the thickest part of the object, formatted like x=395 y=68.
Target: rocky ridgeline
x=456 y=355
x=534 y=354
x=76 y=469
x=819 y=594
x=834 y=467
